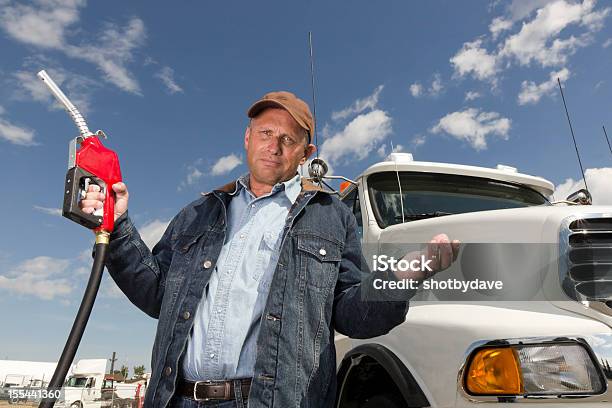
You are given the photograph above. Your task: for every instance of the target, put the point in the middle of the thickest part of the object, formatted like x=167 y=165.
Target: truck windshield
x=427 y=195
x=76 y=382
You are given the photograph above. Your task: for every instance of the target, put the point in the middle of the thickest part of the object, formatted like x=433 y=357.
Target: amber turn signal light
x=494 y=371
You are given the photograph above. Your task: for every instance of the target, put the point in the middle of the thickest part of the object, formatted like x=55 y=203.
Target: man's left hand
x=440 y=251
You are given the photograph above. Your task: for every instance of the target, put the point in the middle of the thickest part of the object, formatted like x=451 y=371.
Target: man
x=250 y=281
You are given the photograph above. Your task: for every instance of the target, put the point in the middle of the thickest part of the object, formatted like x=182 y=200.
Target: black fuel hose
x=80 y=321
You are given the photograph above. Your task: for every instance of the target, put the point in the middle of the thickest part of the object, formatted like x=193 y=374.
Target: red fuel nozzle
x=94 y=164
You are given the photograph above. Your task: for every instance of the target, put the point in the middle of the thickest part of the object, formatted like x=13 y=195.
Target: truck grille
x=589 y=255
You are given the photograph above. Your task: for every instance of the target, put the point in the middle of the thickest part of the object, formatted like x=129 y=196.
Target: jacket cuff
x=123 y=226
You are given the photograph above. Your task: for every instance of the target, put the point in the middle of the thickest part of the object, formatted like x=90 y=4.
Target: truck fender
x=410 y=391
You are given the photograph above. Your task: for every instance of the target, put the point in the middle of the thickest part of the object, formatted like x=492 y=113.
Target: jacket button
x=186 y=315
x=323 y=252
x=168 y=371
x=207 y=264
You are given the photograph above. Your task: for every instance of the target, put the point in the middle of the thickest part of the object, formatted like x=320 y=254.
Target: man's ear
x=247 y=134
x=308 y=151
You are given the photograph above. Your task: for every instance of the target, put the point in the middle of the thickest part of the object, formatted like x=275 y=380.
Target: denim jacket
x=320 y=285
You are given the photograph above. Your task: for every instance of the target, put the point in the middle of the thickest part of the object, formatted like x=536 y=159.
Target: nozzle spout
x=74 y=113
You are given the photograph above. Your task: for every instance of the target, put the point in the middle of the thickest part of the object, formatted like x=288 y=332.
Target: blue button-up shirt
x=222 y=344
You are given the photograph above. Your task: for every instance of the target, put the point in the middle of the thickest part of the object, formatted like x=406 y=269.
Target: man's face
x=276 y=145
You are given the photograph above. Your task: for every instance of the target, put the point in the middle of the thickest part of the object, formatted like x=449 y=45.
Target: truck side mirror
x=582 y=197
x=317 y=169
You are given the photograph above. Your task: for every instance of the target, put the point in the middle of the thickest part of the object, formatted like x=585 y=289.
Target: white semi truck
x=88 y=387
x=545 y=340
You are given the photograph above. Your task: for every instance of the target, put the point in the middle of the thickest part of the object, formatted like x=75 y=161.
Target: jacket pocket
x=183 y=249
x=319 y=259
x=184 y=242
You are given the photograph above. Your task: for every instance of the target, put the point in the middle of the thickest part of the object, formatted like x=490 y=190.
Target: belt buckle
x=195 y=388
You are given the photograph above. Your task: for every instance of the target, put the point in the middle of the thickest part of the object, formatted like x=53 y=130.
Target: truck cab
x=545 y=339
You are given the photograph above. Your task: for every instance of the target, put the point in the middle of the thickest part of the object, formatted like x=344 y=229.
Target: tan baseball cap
x=296 y=107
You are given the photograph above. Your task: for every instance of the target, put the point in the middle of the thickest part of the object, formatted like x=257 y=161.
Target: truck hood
x=529 y=224
x=524 y=248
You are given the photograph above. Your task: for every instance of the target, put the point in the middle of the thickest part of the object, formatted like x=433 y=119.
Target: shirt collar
x=291 y=187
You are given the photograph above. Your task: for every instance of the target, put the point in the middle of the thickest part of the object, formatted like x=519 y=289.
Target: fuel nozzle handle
x=74 y=113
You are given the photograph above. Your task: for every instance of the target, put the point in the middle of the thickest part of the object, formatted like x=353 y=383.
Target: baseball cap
x=296 y=107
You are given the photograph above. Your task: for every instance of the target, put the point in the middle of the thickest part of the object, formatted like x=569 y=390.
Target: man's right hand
x=94 y=199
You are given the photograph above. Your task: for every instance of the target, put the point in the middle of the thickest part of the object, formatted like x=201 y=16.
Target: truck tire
x=384 y=400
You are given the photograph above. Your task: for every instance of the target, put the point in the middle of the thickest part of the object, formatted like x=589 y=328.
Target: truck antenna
x=607 y=140
x=314 y=99
x=572 y=132
x=317 y=168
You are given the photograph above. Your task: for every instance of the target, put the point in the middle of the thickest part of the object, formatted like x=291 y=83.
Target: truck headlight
x=532 y=370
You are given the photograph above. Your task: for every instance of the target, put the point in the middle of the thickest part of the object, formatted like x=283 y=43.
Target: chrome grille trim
x=585 y=259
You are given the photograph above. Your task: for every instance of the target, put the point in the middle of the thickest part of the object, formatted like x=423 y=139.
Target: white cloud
x=471 y=95
x=598 y=180
x=607 y=43
x=50 y=211
x=35 y=89
x=194 y=175
x=16 y=134
x=418 y=140
x=226 y=164
x=397 y=148
x=38 y=277
x=166 y=75
x=536 y=41
x=473 y=126
x=498 y=25
x=515 y=10
x=541 y=39
x=114 y=52
x=436 y=85
x=519 y=9
x=531 y=92
x=43 y=26
x=152 y=232
x=594 y=20
x=358 y=138
x=46 y=25
x=475 y=60
x=360 y=105
x=85 y=255
x=110 y=289
x=416 y=89
x=77 y=87
x=382 y=150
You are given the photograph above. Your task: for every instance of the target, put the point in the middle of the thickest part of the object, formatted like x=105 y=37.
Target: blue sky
x=470 y=82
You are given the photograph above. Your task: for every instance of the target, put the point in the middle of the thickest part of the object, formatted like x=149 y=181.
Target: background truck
x=88 y=387
x=23 y=374
x=547 y=340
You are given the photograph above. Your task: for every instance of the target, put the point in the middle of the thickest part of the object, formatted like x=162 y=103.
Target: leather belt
x=213 y=390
